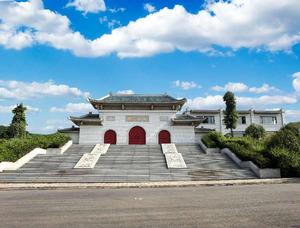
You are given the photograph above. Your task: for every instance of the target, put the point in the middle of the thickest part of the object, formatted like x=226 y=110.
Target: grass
x=13 y=149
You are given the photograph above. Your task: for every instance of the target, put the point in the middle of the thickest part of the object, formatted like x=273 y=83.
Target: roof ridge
x=142 y=94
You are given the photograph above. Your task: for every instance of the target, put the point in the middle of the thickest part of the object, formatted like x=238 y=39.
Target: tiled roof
x=70 y=129
x=207 y=111
x=186 y=119
x=139 y=98
x=89 y=118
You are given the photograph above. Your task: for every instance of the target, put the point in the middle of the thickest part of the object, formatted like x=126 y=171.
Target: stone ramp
x=130 y=163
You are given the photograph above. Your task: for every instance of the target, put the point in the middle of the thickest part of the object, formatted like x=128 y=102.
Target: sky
x=56 y=53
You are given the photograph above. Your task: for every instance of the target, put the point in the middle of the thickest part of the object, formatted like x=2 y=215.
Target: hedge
x=13 y=149
x=289 y=163
x=246 y=148
x=213 y=139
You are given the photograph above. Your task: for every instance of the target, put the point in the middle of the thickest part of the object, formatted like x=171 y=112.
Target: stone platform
x=133 y=163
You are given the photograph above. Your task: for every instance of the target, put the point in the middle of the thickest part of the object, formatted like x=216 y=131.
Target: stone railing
x=29 y=156
x=261 y=173
x=60 y=150
x=206 y=149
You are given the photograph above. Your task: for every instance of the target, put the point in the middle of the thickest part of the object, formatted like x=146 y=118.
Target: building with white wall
x=272 y=121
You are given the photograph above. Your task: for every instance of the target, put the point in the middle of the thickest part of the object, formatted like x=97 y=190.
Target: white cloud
x=8 y=109
x=117 y=10
x=113 y=24
x=269 y=25
x=249 y=102
x=149 y=8
x=88 y=6
x=265 y=88
x=110 y=23
x=292 y=115
x=24 y=90
x=232 y=86
x=185 y=85
x=242 y=87
x=128 y=91
x=54 y=124
x=296 y=82
x=74 y=107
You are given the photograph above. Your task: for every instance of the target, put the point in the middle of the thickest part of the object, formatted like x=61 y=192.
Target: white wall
x=90 y=134
x=269 y=127
x=118 y=123
x=256 y=118
x=74 y=136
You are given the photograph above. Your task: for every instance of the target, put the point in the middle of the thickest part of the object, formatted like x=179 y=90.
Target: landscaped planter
x=27 y=157
x=60 y=150
x=206 y=149
x=261 y=173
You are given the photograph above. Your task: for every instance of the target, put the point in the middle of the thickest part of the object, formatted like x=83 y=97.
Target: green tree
x=230 y=115
x=4 y=132
x=18 y=123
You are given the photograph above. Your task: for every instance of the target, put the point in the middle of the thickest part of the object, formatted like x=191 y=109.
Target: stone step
x=127 y=163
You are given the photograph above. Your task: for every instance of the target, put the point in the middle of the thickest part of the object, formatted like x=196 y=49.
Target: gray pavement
x=127 y=164
x=218 y=206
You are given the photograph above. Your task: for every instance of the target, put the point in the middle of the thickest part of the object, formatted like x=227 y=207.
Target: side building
x=272 y=121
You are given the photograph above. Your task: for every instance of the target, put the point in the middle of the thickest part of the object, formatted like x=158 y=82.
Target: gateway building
x=135 y=119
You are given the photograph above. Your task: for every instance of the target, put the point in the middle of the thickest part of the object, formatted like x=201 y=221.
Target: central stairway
x=133 y=163
x=127 y=163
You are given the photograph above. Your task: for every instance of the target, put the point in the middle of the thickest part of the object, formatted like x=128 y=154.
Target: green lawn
x=13 y=149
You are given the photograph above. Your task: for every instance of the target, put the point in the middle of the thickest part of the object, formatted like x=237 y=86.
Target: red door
x=110 y=137
x=137 y=136
x=164 y=137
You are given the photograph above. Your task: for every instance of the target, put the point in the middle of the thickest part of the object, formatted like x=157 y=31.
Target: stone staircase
x=127 y=163
x=213 y=166
x=50 y=167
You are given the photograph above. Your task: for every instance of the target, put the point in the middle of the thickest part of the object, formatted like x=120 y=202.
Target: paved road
x=228 y=206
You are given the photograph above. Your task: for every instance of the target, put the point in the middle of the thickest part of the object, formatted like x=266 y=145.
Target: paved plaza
x=219 y=206
x=130 y=163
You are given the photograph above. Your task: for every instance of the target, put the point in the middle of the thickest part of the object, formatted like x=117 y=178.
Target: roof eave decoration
x=81 y=121
x=188 y=121
x=101 y=104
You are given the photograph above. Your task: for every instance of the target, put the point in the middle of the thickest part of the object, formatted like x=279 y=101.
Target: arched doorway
x=110 y=137
x=137 y=136
x=164 y=137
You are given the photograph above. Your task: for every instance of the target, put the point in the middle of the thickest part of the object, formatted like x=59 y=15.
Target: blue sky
x=55 y=53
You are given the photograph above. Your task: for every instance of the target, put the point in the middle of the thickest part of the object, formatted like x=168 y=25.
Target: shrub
x=213 y=139
x=244 y=141
x=255 y=131
x=288 y=138
x=13 y=149
x=5 y=132
x=247 y=153
x=289 y=163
